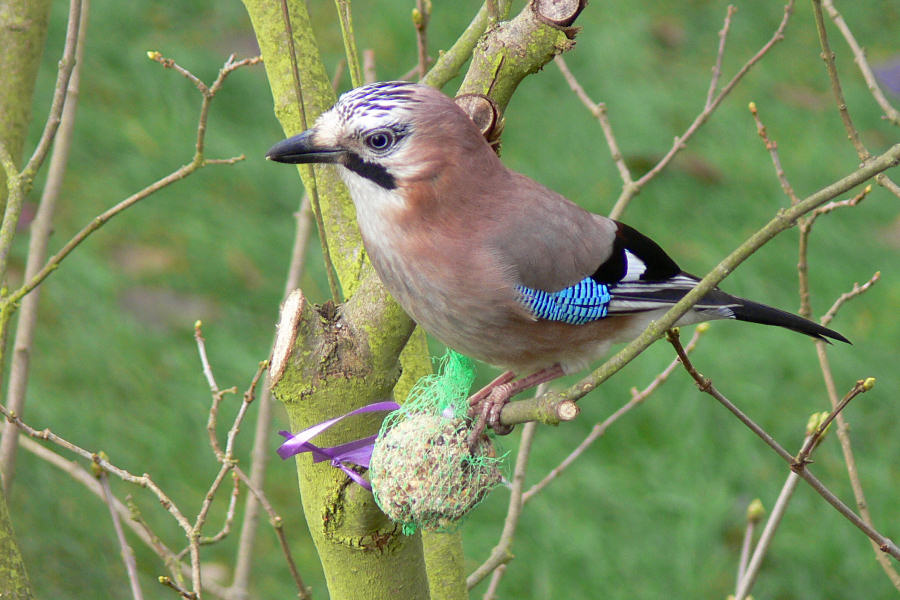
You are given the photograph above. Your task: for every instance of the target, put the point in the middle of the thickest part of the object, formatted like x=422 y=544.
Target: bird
x=493 y=264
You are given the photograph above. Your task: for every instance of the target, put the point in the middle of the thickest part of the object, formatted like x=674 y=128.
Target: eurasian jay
x=490 y=262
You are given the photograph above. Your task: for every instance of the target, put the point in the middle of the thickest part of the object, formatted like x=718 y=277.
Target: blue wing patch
x=581 y=303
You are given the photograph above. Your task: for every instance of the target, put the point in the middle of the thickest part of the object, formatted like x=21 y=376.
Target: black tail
x=754 y=312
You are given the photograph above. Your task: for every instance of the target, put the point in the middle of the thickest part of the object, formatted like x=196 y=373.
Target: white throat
x=376 y=207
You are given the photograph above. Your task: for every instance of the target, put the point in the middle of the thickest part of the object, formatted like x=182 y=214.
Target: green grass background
x=655 y=509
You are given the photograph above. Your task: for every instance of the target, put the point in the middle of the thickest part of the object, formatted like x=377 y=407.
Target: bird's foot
x=487 y=403
x=487 y=409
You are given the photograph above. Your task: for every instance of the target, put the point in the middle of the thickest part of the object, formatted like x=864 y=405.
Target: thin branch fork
x=629 y=192
x=600 y=113
x=40 y=230
x=884 y=543
x=19 y=183
x=830 y=66
x=772 y=147
x=856 y=291
x=198 y=161
x=750 y=565
x=229 y=463
x=103 y=463
x=863 y=385
x=500 y=556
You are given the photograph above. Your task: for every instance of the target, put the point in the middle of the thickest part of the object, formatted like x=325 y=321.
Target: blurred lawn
x=655 y=509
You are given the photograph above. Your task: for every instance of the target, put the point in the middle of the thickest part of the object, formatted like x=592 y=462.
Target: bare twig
x=127 y=552
x=856 y=291
x=345 y=18
x=143 y=481
x=805 y=227
x=544 y=409
x=89 y=480
x=169 y=582
x=825 y=367
x=843 y=434
x=129 y=515
x=303 y=592
x=755 y=512
x=859 y=57
x=496 y=578
x=421 y=15
x=885 y=544
x=192 y=532
x=852 y=133
x=501 y=554
x=772 y=147
x=747 y=576
x=813 y=438
x=843 y=430
x=229 y=463
x=226 y=457
x=709 y=107
x=66 y=65
x=637 y=397
x=448 y=64
x=19 y=183
x=717 y=68
x=828 y=57
x=599 y=112
x=369 y=73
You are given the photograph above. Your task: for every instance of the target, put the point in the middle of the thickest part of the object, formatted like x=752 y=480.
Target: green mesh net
x=423 y=473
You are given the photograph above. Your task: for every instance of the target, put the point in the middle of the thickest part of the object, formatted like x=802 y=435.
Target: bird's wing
x=577 y=267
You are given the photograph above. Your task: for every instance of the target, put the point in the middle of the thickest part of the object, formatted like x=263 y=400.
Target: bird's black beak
x=302 y=149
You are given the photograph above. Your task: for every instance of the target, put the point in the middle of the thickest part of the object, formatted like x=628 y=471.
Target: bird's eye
x=380 y=140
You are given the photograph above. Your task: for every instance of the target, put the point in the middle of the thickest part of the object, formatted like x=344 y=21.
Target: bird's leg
x=488 y=402
x=484 y=392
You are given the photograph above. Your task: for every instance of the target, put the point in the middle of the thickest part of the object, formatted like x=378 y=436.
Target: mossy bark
x=14 y=582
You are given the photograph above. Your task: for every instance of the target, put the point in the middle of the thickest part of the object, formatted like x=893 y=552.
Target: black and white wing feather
x=638 y=276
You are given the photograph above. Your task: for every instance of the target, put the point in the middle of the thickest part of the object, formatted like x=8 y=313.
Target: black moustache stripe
x=372 y=171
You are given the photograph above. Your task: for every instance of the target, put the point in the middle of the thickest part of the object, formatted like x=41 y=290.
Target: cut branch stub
x=484 y=114
x=510 y=50
x=285 y=334
x=559 y=13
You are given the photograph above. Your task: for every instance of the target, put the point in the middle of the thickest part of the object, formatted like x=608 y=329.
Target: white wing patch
x=634 y=267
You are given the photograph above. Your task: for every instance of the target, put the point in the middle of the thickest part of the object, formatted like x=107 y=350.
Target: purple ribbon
x=357 y=452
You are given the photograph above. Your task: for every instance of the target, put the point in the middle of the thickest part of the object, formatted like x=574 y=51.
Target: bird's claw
x=486 y=412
